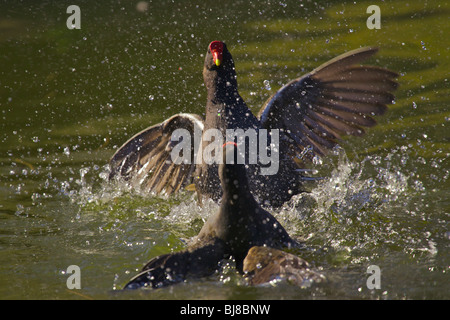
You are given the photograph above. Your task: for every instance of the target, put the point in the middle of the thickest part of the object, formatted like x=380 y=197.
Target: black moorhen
x=311 y=113
x=239 y=225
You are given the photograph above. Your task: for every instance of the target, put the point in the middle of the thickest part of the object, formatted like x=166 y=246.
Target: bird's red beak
x=216 y=48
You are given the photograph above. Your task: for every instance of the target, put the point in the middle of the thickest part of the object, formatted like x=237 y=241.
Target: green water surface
x=70 y=98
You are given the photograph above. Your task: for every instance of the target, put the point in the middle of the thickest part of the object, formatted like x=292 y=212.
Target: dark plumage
x=239 y=225
x=311 y=113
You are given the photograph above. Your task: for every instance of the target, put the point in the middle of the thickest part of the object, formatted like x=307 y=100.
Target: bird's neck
x=222 y=91
x=221 y=84
x=236 y=193
x=226 y=112
x=238 y=214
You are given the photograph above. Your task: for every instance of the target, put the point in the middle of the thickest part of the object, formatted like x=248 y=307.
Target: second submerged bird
x=240 y=229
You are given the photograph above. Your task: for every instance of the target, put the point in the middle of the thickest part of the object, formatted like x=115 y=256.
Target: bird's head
x=218 y=57
x=219 y=68
x=216 y=49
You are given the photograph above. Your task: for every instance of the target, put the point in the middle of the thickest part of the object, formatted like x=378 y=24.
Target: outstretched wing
x=338 y=98
x=146 y=158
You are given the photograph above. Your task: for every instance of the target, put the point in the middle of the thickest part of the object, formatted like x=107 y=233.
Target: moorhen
x=311 y=114
x=233 y=230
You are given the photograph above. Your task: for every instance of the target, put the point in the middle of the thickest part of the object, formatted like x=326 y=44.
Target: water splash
x=360 y=209
x=348 y=215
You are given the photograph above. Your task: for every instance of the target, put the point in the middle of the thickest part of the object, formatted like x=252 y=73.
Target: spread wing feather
x=146 y=158
x=336 y=99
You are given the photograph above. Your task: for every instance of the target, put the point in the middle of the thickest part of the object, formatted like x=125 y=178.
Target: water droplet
x=142 y=6
x=447 y=235
x=317 y=160
x=67 y=151
x=423 y=45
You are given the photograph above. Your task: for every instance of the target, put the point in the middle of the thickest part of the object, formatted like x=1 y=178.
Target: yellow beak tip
x=217 y=62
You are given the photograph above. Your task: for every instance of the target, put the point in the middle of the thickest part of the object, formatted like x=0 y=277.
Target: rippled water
x=69 y=98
